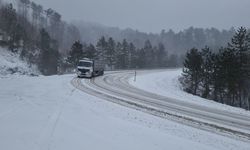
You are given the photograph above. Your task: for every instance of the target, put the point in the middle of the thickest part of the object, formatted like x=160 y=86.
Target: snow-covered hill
x=11 y=64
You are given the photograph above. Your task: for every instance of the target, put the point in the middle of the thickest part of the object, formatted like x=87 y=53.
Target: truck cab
x=85 y=68
x=90 y=68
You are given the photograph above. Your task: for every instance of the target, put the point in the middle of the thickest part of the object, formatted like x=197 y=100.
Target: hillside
x=11 y=64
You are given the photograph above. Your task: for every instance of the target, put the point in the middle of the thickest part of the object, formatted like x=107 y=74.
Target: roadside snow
x=48 y=113
x=166 y=83
x=11 y=64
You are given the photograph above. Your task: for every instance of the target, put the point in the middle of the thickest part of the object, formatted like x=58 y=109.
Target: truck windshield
x=85 y=64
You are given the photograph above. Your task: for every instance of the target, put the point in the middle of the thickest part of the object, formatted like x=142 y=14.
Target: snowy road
x=115 y=87
x=48 y=113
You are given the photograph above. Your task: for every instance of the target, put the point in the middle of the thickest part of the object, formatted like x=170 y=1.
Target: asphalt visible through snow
x=115 y=87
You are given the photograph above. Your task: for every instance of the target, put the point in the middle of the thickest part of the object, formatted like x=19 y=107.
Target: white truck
x=90 y=68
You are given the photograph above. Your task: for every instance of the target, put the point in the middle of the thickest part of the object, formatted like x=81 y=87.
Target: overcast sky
x=155 y=15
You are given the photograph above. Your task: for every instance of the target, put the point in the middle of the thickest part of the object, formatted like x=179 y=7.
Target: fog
x=155 y=15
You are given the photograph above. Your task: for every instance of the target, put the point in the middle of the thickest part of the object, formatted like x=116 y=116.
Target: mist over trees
x=223 y=76
x=44 y=39
x=175 y=42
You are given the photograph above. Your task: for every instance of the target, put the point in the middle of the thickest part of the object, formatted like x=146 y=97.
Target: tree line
x=223 y=76
x=123 y=55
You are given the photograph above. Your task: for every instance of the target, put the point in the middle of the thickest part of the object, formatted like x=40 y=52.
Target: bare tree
x=40 y=15
x=35 y=16
x=23 y=7
x=48 y=14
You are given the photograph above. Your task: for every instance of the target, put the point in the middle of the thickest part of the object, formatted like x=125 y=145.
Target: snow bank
x=11 y=64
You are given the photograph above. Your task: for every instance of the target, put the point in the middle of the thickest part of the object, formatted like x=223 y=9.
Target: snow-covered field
x=41 y=113
x=166 y=83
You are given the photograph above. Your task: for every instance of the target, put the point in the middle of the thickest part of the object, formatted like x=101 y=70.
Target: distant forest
x=43 y=38
x=174 y=42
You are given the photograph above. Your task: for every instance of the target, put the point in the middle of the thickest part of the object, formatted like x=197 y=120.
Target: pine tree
x=241 y=46
x=76 y=53
x=192 y=70
x=90 y=51
x=149 y=54
x=122 y=55
x=230 y=69
x=101 y=48
x=110 y=53
x=141 y=61
x=247 y=69
x=161 y=56
x=218 y=78
x=132 y=56
x=125 y=54
x=119 y=56
x=207 y=68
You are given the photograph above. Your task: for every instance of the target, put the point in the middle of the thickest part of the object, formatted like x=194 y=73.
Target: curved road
x=114 y=87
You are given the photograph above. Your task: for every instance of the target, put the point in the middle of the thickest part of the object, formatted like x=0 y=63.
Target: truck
x=90 y=68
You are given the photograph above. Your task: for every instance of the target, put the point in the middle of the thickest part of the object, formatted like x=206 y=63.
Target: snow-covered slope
x=11 y=64
x=166 y=83
x=48 y=113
